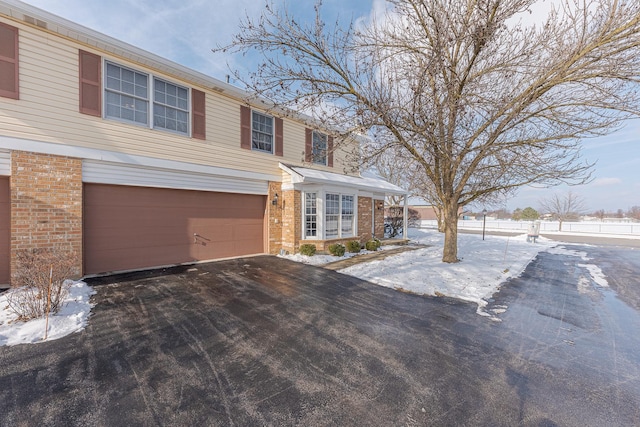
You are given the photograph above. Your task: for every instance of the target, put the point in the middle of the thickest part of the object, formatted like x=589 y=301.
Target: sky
x=185 y=31
x=486 y=264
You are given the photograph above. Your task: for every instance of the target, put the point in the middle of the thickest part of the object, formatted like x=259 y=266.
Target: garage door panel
x=137 y=227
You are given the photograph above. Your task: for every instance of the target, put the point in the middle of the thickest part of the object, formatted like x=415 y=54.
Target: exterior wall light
x=274 y=202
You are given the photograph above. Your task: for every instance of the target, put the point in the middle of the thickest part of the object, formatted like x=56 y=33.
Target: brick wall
x=364 y=218
x=291 y=220
x=46 y=204
x=274 y=216
x=379 y=219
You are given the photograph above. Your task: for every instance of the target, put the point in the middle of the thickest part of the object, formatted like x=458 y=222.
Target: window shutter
x=9 y=86
x=330 y=151
x=279 y=137
x=199 y=124
x=245 y=127
x=308 y=147
x=90 y=93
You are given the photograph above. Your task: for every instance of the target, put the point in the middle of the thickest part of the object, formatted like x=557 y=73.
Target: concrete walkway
x=382 y=254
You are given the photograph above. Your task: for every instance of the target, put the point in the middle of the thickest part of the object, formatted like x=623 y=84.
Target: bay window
x=328 y=217
x=311 y=215
x=346 y=220
x=332 y=216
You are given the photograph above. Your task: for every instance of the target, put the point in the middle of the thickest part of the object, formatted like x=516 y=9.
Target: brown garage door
x=136 y=227
x=5 y=228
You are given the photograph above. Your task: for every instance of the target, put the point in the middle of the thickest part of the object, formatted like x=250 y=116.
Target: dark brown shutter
x=9 y=86
x=199 y=124
x=330 y=151
x=308 y=147
x=245 y=127
x=90 y=93
x=279 y=137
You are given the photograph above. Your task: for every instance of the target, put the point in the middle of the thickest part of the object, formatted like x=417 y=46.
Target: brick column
x=46 y=204
x=364 y=218
x=291 y=220
x=274 y=217
x=379 y=218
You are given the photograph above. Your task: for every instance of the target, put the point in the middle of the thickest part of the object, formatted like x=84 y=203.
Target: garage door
x=5 y=228
x=136 y=227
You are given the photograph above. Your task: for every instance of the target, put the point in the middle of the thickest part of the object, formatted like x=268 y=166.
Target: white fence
x=549 y=226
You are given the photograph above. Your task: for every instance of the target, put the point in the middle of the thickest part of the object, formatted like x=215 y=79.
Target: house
x=131 y=161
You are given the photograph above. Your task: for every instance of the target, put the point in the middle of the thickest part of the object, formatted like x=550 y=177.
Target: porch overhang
x=302 y=175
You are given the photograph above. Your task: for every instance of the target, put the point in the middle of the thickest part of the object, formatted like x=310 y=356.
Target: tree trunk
x=560 y=225
x=438 y=212
x=450 y=223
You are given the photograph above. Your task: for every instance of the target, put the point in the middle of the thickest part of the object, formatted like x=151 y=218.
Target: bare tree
x=600 y=214
x=634 y=212
x=563 y=208
x=480 y=101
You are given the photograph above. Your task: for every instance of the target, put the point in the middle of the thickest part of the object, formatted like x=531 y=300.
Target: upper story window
x=319 y=148
x=261 y=132
x=127 y=97
x=170 y=107
x=126 y=94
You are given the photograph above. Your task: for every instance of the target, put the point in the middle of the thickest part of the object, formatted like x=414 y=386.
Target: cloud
x=605 y=182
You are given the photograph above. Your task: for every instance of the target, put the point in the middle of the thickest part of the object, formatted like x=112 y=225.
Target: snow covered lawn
x=485 y=265
x=71 y=318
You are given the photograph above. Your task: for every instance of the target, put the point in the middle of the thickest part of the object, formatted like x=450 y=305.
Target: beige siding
x=48 y=111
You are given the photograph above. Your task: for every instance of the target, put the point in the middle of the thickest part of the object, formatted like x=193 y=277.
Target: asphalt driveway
x=265 y=341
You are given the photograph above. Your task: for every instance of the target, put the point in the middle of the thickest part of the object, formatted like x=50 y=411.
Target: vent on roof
x=33 y=21
x=217 y=89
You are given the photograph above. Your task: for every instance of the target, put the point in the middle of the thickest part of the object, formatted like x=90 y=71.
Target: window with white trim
x=319 y=148
x=126 y=94
x=311 y=215
x=332 y=216
x=346 y=219
x=128 y=98
x=261 y=132
x=170 y=107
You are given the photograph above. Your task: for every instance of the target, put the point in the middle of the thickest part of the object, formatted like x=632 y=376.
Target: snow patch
x=71 y=318
x=596 y=274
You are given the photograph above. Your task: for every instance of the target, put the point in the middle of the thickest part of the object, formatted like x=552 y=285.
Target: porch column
x=405 y=218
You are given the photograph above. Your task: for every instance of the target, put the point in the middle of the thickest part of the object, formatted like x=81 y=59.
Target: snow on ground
x=594 y=271
x=71 y=318
x=484 y=266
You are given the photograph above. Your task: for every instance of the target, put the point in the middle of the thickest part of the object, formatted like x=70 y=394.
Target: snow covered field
x=485 y=265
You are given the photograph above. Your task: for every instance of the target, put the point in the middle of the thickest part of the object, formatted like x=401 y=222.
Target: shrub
x=308 y=249
x=40 y=272
x=336 y=249
x=372 y=245
x=353 y=246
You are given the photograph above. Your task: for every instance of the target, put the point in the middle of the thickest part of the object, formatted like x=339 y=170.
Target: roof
x=301 y=175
